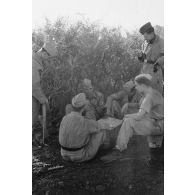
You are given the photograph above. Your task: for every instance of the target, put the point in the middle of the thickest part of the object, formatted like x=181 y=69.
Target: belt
x=72 y=149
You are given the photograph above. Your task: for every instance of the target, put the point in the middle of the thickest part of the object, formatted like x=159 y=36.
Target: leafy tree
x=86 y=50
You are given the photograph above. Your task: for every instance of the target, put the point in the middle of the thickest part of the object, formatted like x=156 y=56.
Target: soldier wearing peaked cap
x=80 y=138
x=152 y=55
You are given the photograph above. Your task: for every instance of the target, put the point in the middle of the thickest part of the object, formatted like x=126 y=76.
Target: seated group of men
x=82 y=134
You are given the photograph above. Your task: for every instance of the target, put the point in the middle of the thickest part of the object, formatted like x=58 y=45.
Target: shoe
x=114 y=155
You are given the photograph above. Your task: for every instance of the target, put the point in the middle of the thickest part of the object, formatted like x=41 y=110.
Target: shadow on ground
x=130 y=175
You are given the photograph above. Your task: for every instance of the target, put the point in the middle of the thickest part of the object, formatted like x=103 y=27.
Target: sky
x=129 y=14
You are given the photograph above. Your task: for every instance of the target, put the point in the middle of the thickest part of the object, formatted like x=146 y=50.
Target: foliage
x=86 y=50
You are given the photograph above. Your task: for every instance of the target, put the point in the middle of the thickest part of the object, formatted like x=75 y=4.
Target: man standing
x=38 y=97
x=152 y=56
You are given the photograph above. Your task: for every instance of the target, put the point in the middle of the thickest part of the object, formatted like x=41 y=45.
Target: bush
x=86 y=50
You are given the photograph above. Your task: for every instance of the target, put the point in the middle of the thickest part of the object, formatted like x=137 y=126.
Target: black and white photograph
x=98 y=97
x=87 y=105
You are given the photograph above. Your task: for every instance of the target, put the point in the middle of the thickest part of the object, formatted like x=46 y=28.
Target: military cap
x=146 y=28
x=79 y=100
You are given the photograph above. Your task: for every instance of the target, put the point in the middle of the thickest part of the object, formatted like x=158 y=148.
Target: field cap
x=145 y=28
x=79 y=100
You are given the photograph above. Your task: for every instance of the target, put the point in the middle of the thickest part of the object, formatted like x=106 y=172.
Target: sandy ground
x=130 y=175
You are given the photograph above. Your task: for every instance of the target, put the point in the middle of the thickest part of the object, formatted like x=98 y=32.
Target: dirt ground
x=130 y=175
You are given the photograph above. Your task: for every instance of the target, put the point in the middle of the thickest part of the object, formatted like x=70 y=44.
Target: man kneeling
x=79 y=137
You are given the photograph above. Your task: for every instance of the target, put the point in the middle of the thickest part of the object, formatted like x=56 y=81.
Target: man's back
x=75 y=130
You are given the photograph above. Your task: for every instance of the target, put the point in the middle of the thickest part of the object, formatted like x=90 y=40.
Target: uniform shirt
x=96 y=104
x=153 y=105
x=153 y=51
x=75 y=130
x=36 y=77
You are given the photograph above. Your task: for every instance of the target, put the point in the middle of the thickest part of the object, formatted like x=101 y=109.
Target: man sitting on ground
x=148 y=121
x=95 y=108
x=119 y=104
x=79 y=137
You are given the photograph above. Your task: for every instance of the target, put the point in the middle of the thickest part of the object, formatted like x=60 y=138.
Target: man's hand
x=160 y=61
x=103 y=125
x=133 y=116
x=127 y=115
x=43 y=100
x=141 y=56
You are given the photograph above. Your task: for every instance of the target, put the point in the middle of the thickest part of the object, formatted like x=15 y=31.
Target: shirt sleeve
x=146 y=104
x=92 y=126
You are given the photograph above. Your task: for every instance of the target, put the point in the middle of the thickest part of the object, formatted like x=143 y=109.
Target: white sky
x=130 y=14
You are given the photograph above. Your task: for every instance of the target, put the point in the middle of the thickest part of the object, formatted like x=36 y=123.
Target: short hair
x=143 y=80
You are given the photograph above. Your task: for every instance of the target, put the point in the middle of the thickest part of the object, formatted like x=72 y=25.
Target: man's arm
x=144 y=109
x=36 y=86
x=92 y=126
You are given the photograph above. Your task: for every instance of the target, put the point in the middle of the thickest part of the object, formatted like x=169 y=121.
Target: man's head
x=79 y=101
x=87 y=87
x=147 y=31
x=143 y=82
x=129 y=86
